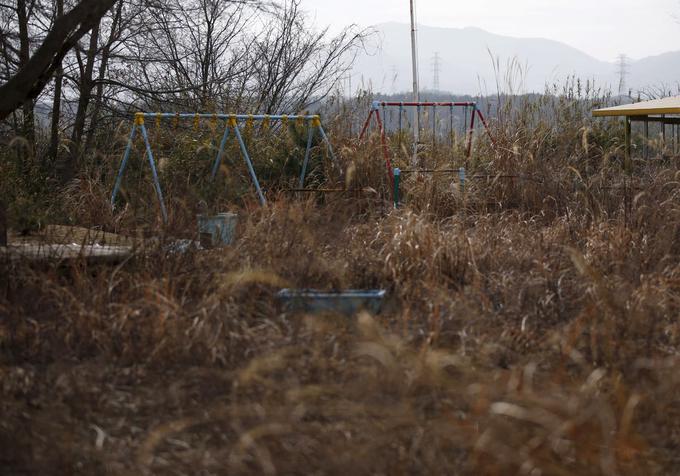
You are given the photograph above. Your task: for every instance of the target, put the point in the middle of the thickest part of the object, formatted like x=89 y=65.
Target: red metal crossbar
x=428 y=104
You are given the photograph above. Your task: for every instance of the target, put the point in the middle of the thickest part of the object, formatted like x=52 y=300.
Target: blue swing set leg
x=233 y=124
x=328 y=142
x=305 y=164
x=154 y=172
x=139 y=124
x=123 y=166
x=249 y=163
x=220 y=153
x=315 y=126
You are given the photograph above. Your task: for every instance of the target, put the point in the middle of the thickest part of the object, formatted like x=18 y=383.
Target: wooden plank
x=325 y=190
x=57 y=253
x=66 y=235
x=645 y=108
x=663 y=120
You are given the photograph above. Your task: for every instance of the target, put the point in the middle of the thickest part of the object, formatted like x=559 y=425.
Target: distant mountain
x=467 y=66
x=657 y=71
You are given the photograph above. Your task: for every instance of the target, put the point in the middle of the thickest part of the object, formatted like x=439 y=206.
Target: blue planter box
x=217 y=231
x=345 y=302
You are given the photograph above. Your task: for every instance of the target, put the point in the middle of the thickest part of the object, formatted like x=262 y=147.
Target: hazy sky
x=601 y=28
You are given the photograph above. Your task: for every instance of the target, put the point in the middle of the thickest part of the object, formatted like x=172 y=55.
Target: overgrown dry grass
x=531 y=328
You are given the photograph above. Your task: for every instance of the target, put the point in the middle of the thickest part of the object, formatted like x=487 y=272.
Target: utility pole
x=436 y=70
x=395 y=76
x=416 y=87
x=622 y=71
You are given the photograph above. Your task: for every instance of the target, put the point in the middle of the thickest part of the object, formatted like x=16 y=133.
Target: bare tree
x=228 y=55
x=295 y=65
x=37 y=72
x=190 y=52
x=24 y=10
x=16 y=37
x=104 y=58
x=56 y=100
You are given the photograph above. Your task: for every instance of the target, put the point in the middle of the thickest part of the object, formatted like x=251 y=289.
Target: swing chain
x=266 y=124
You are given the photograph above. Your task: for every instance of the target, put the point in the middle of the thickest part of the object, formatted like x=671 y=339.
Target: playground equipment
x=665 y=112
x=231 y=123
x=397 y=173
x=378 y=105
x=217 y=231
x=348 y=302
x=463 y=179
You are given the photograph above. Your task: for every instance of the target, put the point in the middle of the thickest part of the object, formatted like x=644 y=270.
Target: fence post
x=461 y=176
x=397 y=180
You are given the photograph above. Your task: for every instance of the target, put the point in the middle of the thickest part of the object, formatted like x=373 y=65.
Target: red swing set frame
x=375 y=112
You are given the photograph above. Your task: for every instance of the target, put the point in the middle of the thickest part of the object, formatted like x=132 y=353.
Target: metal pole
x=310 y=137
x=246 y=157
x=486 y=127
x=123 y=164
x=218 y=160
x=465 y=113
x=397 y=181
x=328 y=142
x=238 y=117
x=451 y=126
x=663 y=136
x=154 y=173
x=628 y=163
x=416 y=87
x=471 y=131
x=368 y=122
x=434 y=127
x=646 y=144
x=401 y=123
x=384 y=115
x=386 y=151
x=416 y=120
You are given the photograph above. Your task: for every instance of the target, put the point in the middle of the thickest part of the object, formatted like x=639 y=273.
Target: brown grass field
x=532 y=325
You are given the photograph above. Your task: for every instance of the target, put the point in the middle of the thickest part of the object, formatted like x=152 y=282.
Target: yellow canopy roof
x=645 y=108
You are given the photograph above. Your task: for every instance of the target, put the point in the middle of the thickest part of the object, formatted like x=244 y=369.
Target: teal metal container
x=217 y=231
x=344 y=302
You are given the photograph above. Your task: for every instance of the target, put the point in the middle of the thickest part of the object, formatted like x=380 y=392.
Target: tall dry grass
x=531 y=326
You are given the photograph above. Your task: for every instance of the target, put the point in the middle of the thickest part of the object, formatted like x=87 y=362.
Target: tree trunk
x=28 y=129
x=86 y=86
x=103 y=68
x=68 y=169
x=56 y=105
x=29 y=82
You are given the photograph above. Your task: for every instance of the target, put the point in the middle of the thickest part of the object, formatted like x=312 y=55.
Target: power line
x=623 y=72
